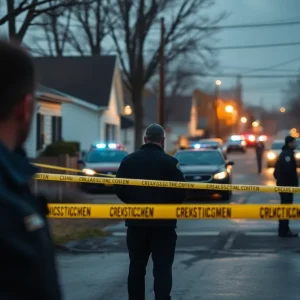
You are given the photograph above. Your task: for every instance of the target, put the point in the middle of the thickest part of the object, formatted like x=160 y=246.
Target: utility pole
x=217 y=124
x=161 y=104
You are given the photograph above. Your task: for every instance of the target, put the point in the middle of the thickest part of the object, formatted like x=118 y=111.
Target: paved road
x=215 y=260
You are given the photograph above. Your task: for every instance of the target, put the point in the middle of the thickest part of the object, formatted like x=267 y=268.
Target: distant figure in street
x=285 y=174
x=259 y=149
x=146 y=237
x=27 y=260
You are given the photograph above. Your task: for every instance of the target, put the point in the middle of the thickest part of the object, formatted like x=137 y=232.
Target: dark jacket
x=28 y=269
x=259 y=149
x=152 y=163
x=285 y=171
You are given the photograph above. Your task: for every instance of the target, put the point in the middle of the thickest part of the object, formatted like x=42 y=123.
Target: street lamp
x=229 y=108
x=255 y=124
x=244 y=120
x=127 y=110
x=218 y=82
x=282 y=109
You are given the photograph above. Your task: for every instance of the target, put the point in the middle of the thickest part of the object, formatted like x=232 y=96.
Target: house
x=95 y=88
x=203 y=114
x=177 y=118
x=47 y=120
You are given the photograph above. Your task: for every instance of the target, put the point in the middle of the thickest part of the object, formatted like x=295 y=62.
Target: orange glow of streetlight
x=255 y=124
x=127 y=110
x=218 y=82
x=244 y=120
x=229 y=108
x=282 y=109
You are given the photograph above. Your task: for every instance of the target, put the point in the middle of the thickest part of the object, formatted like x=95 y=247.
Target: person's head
x=291 y=142
x=17 y=89
x=155 y=134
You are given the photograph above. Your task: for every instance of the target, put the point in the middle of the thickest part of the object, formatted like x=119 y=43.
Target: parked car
x=235 y=143
x=207 y=166
x=102 y=158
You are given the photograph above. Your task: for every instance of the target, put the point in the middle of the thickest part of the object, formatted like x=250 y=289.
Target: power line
x=256 y=46
x=256 y=76
x=253 y=25
x=275 y=65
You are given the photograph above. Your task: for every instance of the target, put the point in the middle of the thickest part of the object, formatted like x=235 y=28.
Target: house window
x=56 y=129
x=40 y=131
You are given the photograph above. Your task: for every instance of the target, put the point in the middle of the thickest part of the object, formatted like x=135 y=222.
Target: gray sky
x=256 y=91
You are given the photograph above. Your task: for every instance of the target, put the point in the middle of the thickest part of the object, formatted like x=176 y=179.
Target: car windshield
x=186 y=158
x=209 y=142
x=277 y=146
x=106 y=156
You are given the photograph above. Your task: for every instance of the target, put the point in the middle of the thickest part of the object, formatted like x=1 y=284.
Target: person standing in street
x=285 y=174
x=259 y=149
x=28 y=269
x=146 y=237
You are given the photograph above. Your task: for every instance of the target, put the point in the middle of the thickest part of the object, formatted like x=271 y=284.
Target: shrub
x=60 y=148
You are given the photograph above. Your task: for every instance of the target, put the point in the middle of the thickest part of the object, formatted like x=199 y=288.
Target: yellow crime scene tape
x=67 y=169
x=166 y=184
x=120 y=211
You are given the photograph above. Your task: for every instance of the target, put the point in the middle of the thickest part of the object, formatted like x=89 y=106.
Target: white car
x=275 y=150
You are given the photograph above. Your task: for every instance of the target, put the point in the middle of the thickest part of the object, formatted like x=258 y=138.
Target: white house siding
x=80 y=124
x=48 y=110
x=127 y=139
x=111 y=116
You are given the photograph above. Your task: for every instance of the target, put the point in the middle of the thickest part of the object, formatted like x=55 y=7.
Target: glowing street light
x=218 y=82
x=255 y=124
x=229 y=108
x=282 y=109
x=244 y=120
x=127 y=110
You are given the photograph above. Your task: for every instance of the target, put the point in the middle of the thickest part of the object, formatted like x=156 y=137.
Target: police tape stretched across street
x=189 y=211
x=166 y=184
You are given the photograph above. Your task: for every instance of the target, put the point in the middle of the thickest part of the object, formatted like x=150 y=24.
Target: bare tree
x=56 y=28
x=292 y=100
x=20 y=14
x=92 y=18
x=131 y=24
x=81 y=28
x=178 y=82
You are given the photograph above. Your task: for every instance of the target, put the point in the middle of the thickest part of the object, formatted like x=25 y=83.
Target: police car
x=206 y=166
x=101 y=158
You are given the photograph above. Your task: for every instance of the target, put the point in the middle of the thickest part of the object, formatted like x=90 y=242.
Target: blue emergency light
x=103 y=146
x=197 y=146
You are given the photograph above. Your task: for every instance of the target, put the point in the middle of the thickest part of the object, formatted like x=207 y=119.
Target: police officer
x=156 y=237
x=259 y=149
x=28 y=269
x=285 y=174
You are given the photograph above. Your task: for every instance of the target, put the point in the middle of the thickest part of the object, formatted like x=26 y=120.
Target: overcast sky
x=266 y=91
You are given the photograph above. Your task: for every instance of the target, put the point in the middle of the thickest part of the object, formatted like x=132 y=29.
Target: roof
x=86 y=78
x=126 y=122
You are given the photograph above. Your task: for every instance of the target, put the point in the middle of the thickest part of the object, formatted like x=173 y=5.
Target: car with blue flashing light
x=101 y=159
x=213 y=143
x=235 y=143
x=205 y=165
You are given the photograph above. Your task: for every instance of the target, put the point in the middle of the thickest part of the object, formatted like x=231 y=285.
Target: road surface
x=215 y=259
